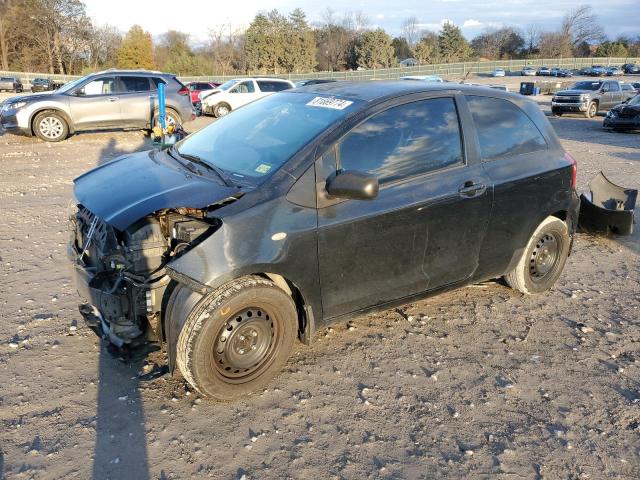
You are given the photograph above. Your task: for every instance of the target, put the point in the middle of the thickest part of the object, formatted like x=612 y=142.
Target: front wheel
x=592 y=110
x=236 y=339
x=221 y=110
x=543 y=259
x=50 y=127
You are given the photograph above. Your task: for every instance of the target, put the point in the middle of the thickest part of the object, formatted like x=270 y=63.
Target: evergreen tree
x=136 y=50
x=373 y=49
x=452 y=45
x=427 y=49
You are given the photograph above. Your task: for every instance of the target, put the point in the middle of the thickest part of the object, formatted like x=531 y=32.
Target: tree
x=452 y=46
x=611 y=49
x=581 y=25
x=427 y=49
x=299 y=46
x=409 y=30
x=136 y=50
x=401 y=48
x=103 y=47
x=502 y=43
x=174 y=53
x=554 y=45
x=372 y=49
x=532 y=38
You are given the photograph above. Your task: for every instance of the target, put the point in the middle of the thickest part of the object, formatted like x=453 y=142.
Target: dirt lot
x=482 y=382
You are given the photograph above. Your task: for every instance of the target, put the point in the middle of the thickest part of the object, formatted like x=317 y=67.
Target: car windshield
x=634 y=101
x=586 y=85
x=227 y=85
x=257 y=139
x=67 y=87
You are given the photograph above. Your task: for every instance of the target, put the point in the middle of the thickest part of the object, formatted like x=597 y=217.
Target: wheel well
x=561 y=214
x=56 y=110
x=305 y=315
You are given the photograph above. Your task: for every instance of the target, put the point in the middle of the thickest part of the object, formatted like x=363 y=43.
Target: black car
x=625 y=116
x=43 y=85
x=315 y=81
x=630 y=68
x=313 y=205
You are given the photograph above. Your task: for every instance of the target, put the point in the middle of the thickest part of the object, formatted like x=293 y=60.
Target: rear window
x=627 y=87
x=155 y=81
x=503 y=129
x=271 y=86
x=135 y=84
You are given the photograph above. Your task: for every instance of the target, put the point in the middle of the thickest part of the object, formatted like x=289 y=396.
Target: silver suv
x=109 y=99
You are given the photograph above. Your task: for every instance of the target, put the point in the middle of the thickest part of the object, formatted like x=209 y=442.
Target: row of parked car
x=592 y=71
x=14 y=84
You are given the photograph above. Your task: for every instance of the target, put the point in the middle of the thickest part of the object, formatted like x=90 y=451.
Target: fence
x=460 y=69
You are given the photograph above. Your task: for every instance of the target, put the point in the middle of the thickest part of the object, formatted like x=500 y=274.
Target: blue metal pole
x=161 y=106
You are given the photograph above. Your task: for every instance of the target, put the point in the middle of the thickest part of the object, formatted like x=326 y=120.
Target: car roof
x=371 y=91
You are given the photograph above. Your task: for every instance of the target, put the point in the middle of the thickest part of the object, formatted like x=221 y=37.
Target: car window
x=403 y=141
x=100 y=86
x=627 y=87
x=503 y=129
x=155 y=81
x=244 y=87
x=134 y=84
x=270 y=86
x=614 y=87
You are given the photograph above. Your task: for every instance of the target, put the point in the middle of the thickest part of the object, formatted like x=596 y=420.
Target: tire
x=543 y=259
x=215 y=345
x=50 y=126
x=221 y=109
x=170 y=116
x=592 y=110
x=556 y=113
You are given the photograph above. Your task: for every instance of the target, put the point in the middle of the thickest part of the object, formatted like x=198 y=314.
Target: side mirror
x=79 y=92
x=353 y=185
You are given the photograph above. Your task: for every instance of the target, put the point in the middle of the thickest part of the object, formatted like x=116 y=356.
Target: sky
x=197 y=17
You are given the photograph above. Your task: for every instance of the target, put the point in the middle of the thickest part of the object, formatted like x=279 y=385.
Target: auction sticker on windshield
x=329 y=102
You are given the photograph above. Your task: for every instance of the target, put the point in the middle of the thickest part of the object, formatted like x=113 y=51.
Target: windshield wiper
x=196 y=159
x=189 y=166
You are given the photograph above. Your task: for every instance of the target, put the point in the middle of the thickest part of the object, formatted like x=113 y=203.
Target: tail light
x=574 y=169
x=183 y=91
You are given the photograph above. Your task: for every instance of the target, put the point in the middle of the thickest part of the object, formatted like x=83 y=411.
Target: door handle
x=471 y=189
x=112 y=99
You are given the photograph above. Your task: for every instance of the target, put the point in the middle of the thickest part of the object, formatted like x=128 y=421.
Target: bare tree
x=532 y=37
x=581 y=25
x=409 y=30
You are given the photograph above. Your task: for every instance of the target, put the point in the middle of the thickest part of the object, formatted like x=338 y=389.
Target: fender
x=278 y=227
x=64 y=115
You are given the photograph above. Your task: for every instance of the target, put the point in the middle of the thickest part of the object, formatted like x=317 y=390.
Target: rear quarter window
x=503 y=128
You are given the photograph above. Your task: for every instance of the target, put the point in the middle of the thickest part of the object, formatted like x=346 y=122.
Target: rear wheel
x=171 y=117
x=592 y=110
x=543 y=259
x=221 y=110
x=50 y=127
x=236 y=339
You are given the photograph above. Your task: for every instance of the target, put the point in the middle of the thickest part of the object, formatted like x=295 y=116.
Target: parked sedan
x=236 y=93
x=614 y=71
x=43 y=85
x=196 y=88
x=311 y=206
x=625 y=116
x=528 y=72
x=636 y=86
x=630 y=68
x=597 y=71
x=498 y=72
x=544 y=71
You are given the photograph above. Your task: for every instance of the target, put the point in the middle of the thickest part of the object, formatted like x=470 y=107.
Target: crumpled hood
x=130 y=187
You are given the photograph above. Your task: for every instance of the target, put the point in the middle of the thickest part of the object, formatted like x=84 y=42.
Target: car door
x=96 y=104
x=425 y=227
x=526 y=176
x=137 y=100
x=243 y=93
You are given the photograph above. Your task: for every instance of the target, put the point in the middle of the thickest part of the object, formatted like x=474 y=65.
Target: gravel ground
x=481 y=382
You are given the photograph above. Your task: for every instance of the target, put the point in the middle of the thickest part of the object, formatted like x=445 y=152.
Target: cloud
x=380 y=16
x=434 y=26
x=471 y=23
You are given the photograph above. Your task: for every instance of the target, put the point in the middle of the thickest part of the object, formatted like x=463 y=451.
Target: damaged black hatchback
x=315 y=204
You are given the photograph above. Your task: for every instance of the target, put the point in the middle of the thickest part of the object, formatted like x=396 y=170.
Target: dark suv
x=109 y=99
x=313 y=205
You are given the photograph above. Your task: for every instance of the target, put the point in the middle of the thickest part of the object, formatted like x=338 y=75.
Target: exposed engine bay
x=121 y=274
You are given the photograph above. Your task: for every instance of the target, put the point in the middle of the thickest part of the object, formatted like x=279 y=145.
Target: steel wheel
x=543 y=257
x=51 y=127
x=244 y=343
x=221 y=110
